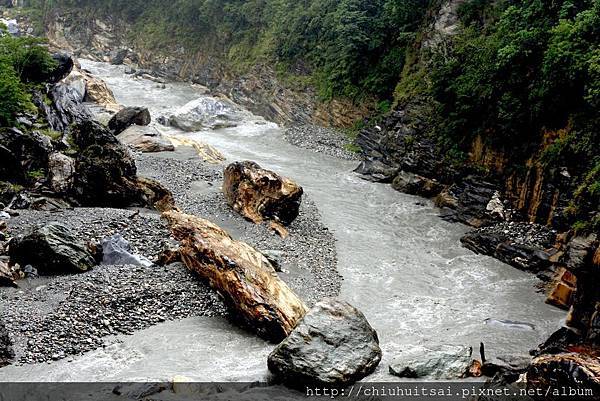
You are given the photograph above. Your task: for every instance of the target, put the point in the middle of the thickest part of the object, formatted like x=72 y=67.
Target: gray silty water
x=403 y=267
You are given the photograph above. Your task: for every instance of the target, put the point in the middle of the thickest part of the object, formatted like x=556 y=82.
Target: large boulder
x=65 y=109
x=467 y=202
x=443 y=363
x=145 y=139
x=578 y=373
x=106 y=174
x=6 y=350
x=414 y=184
x=129 y=116
x=91 y=89
x=333 y=345
x=256 y=297
x=21 y=154
x=51 y=249
x=207 y=113
x=259 y=194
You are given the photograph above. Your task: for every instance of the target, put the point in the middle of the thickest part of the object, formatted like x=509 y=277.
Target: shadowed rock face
x=333 y=345
x=127 y=117
x=51 y=249
x=256 y=297
x=106 y=174
x=259 y=194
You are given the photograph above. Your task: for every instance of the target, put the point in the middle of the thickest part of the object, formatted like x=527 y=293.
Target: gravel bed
x=51 y=318
x=308 y=255
x=328 y=141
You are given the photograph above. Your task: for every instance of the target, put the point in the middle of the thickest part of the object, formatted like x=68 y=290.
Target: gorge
x=385 y=252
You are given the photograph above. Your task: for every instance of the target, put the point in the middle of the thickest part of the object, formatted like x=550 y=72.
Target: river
x=402 y=265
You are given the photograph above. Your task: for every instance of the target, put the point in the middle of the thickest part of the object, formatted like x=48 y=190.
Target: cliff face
x=259 y=89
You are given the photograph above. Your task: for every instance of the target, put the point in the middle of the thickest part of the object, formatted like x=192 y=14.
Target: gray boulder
x=332 y=345
x=51 y=249
x=117 y=251
x=207 y=113
x=443 y=363
x=127 y=117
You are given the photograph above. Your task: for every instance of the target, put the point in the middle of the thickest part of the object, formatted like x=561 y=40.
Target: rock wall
x=258 y=89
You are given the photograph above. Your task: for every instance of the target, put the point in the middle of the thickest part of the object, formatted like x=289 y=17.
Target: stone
x=64 y=65
x=7 y=278
x=259 y=194
x=579 y=373
x=255 y=296
x=106 y=174
x=563 y=289
x=376 y=171
x=442 y=363
x=61 y=169
x=467 y=200
x=506 y=364
x=274 y=257
x=208 y=153
x=129 y=116
x=145 y=139
x=414 y=184
x=333 y=345
x=117 y=251
x=22 y=153
x=207 y=113
x=6 y=350
x=170 y=253
x=53 y=249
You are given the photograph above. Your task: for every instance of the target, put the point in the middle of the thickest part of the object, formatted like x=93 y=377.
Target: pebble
x=329 y=141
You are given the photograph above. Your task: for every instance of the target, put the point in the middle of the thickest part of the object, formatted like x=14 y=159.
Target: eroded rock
x=52 y=249
x=256 y=297
x=117 y=251
x=207 y=113
x=128 y=116
x=414 y=184
x=106 y=174
x=579 y=373
x=259 y=194
x=333 y=345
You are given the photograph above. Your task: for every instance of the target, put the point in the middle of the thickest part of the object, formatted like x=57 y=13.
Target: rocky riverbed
x=329 y=141
x=52 y=318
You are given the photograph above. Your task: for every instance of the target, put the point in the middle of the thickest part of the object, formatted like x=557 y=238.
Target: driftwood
x=257 y=298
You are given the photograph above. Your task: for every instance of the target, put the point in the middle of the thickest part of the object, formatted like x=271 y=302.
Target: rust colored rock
x=259 y=194
x=576 y=372
x=257 y=298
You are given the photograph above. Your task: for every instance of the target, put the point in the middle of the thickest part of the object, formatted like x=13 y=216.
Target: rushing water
x=403 y=267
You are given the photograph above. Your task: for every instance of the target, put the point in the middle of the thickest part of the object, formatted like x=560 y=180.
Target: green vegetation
x=351 y=48
x=23 y=64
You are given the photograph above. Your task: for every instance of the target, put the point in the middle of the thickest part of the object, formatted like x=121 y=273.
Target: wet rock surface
x=443 y=363
x=260 y=194
x=526 y=246
x=328 y=141
x=333 y=345
x=51 y=249
x=127 y=117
